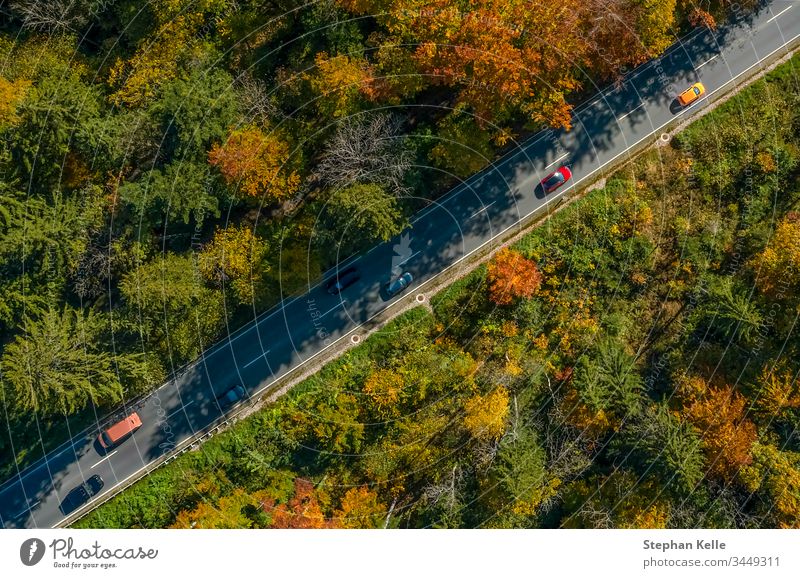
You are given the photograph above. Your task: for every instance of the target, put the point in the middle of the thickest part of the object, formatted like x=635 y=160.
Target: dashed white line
x=482 y=210
x=259 y=358
x=619 y=118
x=181 y=408
x=104 y=459
x=778 y=14
x=25 y=510
x=334 y=308
x=699 y=66
x=561 y=158
x=407 y=259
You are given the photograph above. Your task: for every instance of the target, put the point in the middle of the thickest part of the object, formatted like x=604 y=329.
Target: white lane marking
x=456 y=263
x=561 y=158
x=407 y=259
x=25 y=510
x=334 y=308
x=778 y=14
x=482 y=210
x=619 y=118
x=658 y=128
x=181 y=408
x=699 y=66
x=104 y=459
x=259 y=358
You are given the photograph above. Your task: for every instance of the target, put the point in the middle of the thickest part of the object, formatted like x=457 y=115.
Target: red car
x=555 y=179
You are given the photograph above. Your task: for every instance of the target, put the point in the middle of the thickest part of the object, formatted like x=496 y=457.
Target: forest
x=630 y=363
x=169 y=169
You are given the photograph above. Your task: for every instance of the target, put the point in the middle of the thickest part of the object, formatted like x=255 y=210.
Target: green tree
x=55 y=367
x=57 y=116
x=362 y=214
x=607 y=380
x=196 y=110
x=661 y=444
x=463 y=147
x=519 y=481
x=183 y=191
x=170 y=308
x=730 y=311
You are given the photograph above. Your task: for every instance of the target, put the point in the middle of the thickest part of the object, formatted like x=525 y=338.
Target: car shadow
x=99 y=448
x=538 y=191
x=675 y=107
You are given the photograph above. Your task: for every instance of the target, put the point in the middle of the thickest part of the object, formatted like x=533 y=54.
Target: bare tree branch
x=366 y=150
x=51 y=15
x=258 y=106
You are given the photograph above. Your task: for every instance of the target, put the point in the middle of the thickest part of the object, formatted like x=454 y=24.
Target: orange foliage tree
x=303 y=510
x=508 y=55
x=727 y=435
x=510 y=275
x=254 y=163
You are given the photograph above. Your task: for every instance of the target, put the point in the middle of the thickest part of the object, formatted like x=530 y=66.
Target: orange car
x=691 y=94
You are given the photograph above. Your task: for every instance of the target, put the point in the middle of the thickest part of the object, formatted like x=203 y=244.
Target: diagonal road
x=607 y=129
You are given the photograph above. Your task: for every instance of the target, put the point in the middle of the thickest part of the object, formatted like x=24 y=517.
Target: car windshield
x=554 y=179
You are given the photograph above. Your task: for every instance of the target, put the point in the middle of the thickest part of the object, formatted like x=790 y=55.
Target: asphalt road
x=604 y=129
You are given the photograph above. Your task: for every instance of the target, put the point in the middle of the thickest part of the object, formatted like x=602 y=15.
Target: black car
x=342 y=280
x=232 y=396
x=80 y=495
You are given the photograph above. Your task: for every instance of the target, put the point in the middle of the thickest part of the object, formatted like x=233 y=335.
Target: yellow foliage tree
x=485 y=415
x=778 y=266
x=11 y=95
x=779 y=390
x=253 y=163
x=136 y=81
x=384 y=387
x=776 y=475
x=234 y=257
x=339 y=83
x=360 y=508
x=225 y=514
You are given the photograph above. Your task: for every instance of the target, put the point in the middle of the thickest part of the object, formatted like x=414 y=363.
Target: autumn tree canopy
x=253 y=163
x=235 y=257
x=511 y=276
